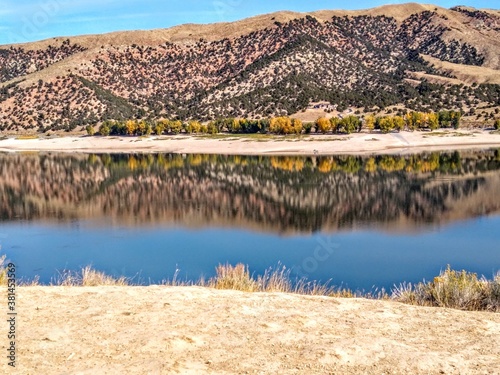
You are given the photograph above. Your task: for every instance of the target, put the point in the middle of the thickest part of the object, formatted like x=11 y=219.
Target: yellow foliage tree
x=399 y=123
x=297 y=126
x=433 y=121
x=131 y=127
x=370 y=123
x=280 y=125
x=175 y=126
x=323 y=125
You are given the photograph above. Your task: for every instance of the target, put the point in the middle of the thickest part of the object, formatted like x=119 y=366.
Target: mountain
x=391 y=58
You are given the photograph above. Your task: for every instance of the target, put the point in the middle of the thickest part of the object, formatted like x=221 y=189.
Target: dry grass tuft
x=3 y=271
x=277 y=280
x=89 y=277
x=234 y=278
x=453 y=289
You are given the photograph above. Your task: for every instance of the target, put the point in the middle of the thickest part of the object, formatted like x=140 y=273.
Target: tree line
x=283 y=125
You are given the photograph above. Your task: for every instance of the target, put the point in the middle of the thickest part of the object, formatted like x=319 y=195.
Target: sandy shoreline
x=195 y=330
x=359 y=143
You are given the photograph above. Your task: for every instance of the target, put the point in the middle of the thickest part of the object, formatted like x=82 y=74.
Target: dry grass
x=3 y=271
x=89 y=277
x=453 y=289
x=25 y=137
x=273 y=280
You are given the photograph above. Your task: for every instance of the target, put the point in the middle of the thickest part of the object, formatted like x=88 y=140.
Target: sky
x=30 y=20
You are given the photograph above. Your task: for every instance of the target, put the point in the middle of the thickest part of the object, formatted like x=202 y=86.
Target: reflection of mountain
x=285 y=194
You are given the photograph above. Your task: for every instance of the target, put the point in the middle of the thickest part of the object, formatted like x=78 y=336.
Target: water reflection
x=276 y=194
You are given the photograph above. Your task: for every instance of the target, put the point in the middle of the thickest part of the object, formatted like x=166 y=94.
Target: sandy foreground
x=359 y=143
x=194 y=330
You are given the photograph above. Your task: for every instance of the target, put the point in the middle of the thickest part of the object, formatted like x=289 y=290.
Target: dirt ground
x=358 y=143
x=194 y=330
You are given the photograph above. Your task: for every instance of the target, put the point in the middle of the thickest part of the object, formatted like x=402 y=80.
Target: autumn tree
x=234 y=126
x=175 y=126
x=386 y=124
x=409 y=123
x=140 y=127
x=323 y=125
x=297 y=126
x=130 y=127
x=193 y=127
x=160 y=127
x=432 y=121
x=370 y=123
x=280 y=125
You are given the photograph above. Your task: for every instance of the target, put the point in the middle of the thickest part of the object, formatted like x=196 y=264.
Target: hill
x=391 y=58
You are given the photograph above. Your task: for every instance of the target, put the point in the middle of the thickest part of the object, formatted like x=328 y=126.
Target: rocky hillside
x=412 y=56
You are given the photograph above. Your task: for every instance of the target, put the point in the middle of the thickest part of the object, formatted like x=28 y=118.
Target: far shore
x=315 y=144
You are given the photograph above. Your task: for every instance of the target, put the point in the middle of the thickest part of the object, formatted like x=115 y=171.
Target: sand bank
x=194 y=330
x=359 y=143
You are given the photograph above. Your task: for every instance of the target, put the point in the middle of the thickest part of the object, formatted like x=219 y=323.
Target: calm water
x=357 y=221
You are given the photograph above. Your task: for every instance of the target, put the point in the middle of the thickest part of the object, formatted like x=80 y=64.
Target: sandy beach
x=195 y=330
x=359 y=143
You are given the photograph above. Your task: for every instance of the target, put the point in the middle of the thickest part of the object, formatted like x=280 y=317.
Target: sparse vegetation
x=3 y=271
x=89 y=277
x=282 y=125
x=269 y=72
x=451 y=289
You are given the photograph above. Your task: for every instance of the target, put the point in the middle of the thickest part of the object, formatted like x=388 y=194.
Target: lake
x=361 y=222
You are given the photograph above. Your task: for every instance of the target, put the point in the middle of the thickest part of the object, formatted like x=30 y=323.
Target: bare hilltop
x=389 y=59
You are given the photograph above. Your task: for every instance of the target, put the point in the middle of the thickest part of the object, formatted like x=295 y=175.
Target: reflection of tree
x=277 y=193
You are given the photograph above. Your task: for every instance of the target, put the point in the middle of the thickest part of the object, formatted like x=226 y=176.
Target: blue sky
x=29 y=20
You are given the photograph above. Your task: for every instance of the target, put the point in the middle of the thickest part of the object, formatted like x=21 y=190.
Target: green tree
x=104 y=129
x=496 y=125
x=455 y=119
x=444 y=119
x=335 y=121
x=90 y=130
x=212 y=128
x=349 y=124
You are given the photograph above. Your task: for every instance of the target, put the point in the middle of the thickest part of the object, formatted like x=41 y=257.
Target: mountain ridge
x=268 y=65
